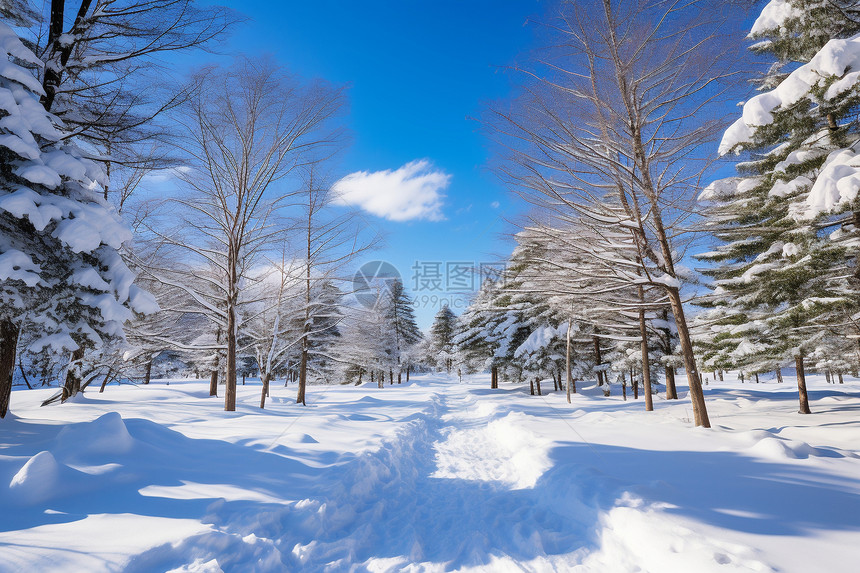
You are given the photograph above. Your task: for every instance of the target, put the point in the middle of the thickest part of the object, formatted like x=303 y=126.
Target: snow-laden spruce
x=61 y=273
x=783 y=283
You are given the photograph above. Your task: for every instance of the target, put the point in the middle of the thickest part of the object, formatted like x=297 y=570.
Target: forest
x=177 y=226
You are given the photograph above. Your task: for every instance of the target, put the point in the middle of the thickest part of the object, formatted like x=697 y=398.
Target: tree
x=441 y=341
x=366 y=344
x=474 y=326
x=268 y=329
x=330 y=242
x=60 y=264
x=400 y=316
x=244 y=132
x=98 y=54
x=779 y=279
x=617 y=106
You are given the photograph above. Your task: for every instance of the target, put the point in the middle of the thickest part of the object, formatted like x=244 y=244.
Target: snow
x=790 y=250
x=36 y=480
x=539 y=339
x=832 y=61
x=432 y=476
x=835 y=187
x=142 y=301
x=11 y=44
x=501 y=453
x=773 y=16
x=15 y=265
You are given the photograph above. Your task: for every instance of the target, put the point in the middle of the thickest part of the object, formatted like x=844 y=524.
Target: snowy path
x=430 y=476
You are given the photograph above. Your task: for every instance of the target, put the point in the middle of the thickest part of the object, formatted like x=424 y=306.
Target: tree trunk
x=105 y=381
x=839 y=374
x=360 y=371
x=671 y=390
x=827 y=376
x=73 y=375
x=27 y=382
x=306 y=328
x=567 y=361
x=230 y=390
x=721 y=375
x=537 y=383
x=213 y=377
x=598 y=360
x=779 y=375
x=9 y=332
x=303 y=373
x=399 y=374
x=801 y=386
x=624 y=386
x=390 y=377
x=147 y=375
x=408 y=368
x=756 y=378
x=646 y=363
x=531 y=387
x=265 y=391
x=213 y=383
x=371 y=377
x=742 y=376
x=697 y=395
x=53 y=74
x=635 y=384
x=243 y=379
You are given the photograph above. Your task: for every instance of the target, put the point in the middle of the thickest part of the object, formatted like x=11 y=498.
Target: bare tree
x=245 y=132
x=617 y=106
x=329 y=242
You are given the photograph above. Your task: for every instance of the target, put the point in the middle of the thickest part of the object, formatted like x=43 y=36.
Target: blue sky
x=417 y=71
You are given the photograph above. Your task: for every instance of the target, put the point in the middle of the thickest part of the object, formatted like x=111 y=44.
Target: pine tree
x=441 y=342
x=400 y=318
x=60 y=266
x=474 y=325
x=776 y=273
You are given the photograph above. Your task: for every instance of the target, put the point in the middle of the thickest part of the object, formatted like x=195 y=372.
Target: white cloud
x=163 y=175
x=495 y=204
x=413 y=191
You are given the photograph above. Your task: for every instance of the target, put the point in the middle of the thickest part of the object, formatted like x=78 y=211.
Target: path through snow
x=429 y=476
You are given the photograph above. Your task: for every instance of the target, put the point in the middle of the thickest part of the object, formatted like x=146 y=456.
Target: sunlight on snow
x=501 y=452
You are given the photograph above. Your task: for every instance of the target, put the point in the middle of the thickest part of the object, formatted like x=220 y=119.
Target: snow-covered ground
x=432 y=475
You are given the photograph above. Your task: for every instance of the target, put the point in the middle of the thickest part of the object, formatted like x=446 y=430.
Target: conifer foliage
x=441 y=347
x=779 y=275
x=60 y=265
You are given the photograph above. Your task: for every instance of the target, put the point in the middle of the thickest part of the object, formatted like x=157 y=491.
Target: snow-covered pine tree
x=325 y=316
x=441 y=341
x=367 y=346
x=475 y=324
x=60 y=266
x=776 y=273
x=400 y=316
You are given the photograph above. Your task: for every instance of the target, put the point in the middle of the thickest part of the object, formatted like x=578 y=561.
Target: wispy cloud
x=414 y=191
